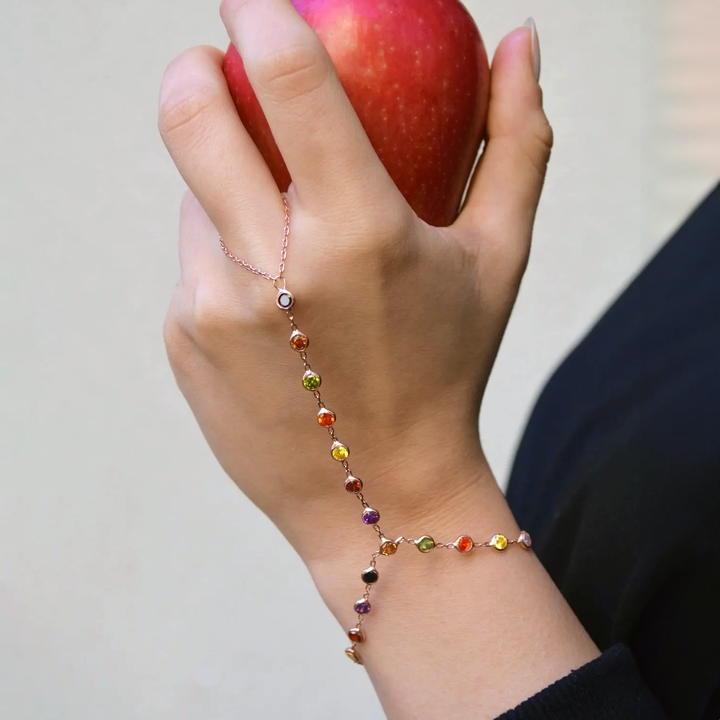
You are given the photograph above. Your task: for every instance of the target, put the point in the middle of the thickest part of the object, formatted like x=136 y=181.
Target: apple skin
x=417 y=75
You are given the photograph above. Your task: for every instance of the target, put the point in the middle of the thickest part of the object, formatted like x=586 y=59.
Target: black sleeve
x=617 y=477
x=608 y=688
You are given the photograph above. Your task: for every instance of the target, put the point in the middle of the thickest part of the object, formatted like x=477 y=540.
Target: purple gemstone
x=370 y=516
x=362 y=607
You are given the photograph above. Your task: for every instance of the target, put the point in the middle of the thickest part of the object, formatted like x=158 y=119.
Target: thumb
x=505 y=190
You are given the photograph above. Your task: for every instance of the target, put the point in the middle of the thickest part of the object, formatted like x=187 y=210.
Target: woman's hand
x=404 y=319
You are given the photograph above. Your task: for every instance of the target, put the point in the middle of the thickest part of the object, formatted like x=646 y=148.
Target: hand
x=404 y=321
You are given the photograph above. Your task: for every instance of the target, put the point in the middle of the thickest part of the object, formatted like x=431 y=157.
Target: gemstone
x=370 y=576
x=339 y=451
x=370 y=516
x=285 y=300
x=353 y=655
x=326 y=418
x=356 y=635
x=525 y=540
x=464 y=544
x=425 y=544
x=353 y=484
x=311 y=380
x=362 y=607
x=499 y=541
x=299 y=341
x=388 y=548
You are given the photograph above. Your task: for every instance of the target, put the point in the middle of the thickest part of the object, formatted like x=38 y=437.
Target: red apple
x=417 y=74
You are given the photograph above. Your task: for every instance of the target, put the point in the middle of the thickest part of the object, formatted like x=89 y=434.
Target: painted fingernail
x=530 y=23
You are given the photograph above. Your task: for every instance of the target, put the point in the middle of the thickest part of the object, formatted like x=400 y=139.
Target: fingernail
x=530 y=23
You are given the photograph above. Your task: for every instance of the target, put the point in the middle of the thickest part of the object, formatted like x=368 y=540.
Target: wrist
x=466 y=626
x=458 y=499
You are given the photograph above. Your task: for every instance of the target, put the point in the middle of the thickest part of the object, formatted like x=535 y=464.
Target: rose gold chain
x=283 y=251
x=340 y=452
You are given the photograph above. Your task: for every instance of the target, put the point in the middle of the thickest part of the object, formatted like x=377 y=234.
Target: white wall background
x=136 y=583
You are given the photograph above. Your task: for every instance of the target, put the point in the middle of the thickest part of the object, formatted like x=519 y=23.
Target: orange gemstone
x=299 y=341
x=356 y=635
x=326 y=418
x=388 y=548
x=464 y=544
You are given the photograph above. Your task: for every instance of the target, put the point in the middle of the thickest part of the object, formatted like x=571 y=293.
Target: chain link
x=274 y=279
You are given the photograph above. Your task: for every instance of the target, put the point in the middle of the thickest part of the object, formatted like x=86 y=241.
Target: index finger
x=317 y=131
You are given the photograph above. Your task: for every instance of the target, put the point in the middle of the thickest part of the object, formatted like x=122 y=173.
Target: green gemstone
x=425 y=544
x=311 y=380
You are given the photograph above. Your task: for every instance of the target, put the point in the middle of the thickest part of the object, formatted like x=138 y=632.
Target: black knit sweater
x=618 y=480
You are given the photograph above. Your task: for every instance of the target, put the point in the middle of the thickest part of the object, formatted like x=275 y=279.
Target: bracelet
x=340 y=452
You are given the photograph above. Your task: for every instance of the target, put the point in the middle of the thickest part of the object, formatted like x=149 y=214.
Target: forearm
x=405 y=320
x=456 y=635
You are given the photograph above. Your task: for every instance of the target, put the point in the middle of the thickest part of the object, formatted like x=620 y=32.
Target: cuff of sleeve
x=608 y=688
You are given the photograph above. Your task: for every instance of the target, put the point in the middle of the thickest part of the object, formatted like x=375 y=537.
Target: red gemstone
x=299 y=341
x=353 y=485
x=356 y=635
x=464 y=544
x=326 y=418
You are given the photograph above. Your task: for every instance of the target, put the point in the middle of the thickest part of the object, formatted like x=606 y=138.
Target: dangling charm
x=285 y=299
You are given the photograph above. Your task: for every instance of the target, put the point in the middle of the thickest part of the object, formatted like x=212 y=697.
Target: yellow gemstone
x=352 y=653
x=340 y=452
x=388 y=548
x=499 y=541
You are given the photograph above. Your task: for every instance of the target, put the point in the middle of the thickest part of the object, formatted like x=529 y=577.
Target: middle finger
x=321 y=139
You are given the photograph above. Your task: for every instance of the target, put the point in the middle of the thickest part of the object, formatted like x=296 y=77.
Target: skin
x=405 y=321
x=419 y=82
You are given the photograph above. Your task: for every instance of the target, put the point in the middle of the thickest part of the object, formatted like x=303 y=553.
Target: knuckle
x=397 y=219
x=536 y=144
x=179 y=346
x=211 y=319
x=295 y=71
x=384 y=244
x=189 y=206
x=389 y=224
x=374 y=219
x=184 y=112
x=544 y=138
x=219 y=320
x=228 y=8
x=186 y=101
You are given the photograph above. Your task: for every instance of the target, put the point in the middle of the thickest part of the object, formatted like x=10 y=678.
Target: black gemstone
x=370 y=576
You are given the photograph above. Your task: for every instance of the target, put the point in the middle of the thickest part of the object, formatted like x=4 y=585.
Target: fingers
x=506 y=188
x=326 y=150
x=213 y=152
